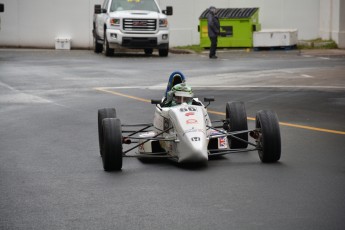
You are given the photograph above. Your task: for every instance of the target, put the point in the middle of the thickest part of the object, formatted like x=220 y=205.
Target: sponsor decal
x=141 y=148
x=183 y=110
x=192 y=121
x=189 y=114
x=192 y=109
x=195 y=138
x=222 y=142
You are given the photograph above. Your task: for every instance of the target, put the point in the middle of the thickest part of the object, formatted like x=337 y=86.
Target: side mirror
x=2 y=7
x=208 y=99
x=155 y=102
x=98 y=9
x=168 y=11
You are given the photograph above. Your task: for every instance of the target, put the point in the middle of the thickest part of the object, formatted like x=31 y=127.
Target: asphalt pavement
x=51 y=174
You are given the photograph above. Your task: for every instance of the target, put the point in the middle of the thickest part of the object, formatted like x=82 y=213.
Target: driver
x=179 y=94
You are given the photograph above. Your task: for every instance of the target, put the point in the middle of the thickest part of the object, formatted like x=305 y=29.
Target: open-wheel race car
x=184 y=132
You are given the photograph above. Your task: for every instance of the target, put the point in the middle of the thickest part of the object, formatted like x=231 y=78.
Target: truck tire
x=108 y=52
x=97 y=48
x=236 y=119
x=269 y=142
x=112 y=144
x=163 y=52
x=102 y=114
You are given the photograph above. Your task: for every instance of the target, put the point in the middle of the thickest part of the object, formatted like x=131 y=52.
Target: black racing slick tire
x=269 y=142
x=236 y=120
x=102 y=114
x=112 y=144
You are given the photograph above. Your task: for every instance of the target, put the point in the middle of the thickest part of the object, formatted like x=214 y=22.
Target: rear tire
x=112 y=144
x=269 y=141
x=102 y=114
x=236 y=118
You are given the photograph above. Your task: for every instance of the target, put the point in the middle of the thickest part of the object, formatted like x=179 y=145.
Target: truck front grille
x=132 y=25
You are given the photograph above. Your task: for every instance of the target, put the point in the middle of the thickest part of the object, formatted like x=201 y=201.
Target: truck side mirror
x=168 y=11
x=2 y=7
x=98 y=9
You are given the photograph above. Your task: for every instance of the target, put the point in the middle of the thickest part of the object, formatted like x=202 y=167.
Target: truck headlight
x=114 y=21
x=163 y=22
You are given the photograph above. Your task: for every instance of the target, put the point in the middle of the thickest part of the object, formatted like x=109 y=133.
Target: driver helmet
x=182 y=93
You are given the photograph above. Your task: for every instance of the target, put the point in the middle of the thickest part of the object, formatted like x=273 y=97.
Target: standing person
x=213 y=30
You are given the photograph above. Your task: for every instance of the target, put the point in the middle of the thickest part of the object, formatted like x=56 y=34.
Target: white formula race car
x=186 y=134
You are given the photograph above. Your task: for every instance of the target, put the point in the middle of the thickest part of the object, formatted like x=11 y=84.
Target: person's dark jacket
x=213 y=25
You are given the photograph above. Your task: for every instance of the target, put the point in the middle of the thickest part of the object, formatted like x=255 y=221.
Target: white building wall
x=332 y=21
x=36 y=23
x=341 y=34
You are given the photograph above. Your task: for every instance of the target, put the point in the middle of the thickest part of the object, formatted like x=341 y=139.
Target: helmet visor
x=181 y=99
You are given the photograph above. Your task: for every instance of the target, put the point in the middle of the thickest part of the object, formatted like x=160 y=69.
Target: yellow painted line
x=123 y=95
x=223 y=114
x=313 y=128
x=291 y=125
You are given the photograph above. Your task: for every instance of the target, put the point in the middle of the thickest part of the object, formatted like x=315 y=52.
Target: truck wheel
x=107 y=51
x=236 y=120
x=163 y=52
x=269 y=142
x=102 y=114
x=98 y=48
x=148 y=51
x=112 y=144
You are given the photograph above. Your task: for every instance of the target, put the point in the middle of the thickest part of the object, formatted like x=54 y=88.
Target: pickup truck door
x=102 y=18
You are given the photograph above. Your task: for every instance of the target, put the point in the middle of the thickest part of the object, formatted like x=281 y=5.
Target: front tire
x=108 y=52
x=163 y=52
x=148 y=52
x=236 y=119
x=269 y=141
x=97 y=48
x=112 y=144
x=102 y=114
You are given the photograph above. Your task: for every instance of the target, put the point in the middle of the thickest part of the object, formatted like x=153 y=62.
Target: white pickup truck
x=134 y=24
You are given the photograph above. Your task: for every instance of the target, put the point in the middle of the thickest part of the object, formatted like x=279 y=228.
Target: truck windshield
x=121 y=5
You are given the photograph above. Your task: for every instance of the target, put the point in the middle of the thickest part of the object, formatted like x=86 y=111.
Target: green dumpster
x=236 y=27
